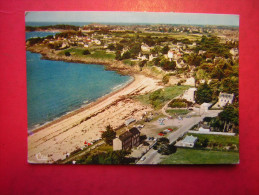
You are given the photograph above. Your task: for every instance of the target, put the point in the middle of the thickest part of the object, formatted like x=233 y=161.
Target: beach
x=53 y=141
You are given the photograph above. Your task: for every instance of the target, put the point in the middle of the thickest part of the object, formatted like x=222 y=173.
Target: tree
x=109 y=135
x=118 y=55
x=67 y=53
x=111 y=47
x=165 y=49
x=204 y=93
x=126 y=55
x=168 y=65
x=165 y=79
x=230 y=116
x=86 y=52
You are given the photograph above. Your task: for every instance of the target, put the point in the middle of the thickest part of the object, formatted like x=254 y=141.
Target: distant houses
x=127 y=140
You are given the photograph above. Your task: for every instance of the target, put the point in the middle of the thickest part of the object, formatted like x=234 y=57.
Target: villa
x=127 y=140
x=224 y=99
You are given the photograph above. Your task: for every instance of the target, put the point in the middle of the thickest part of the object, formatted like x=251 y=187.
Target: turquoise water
x=55 y=87
x=38 y=34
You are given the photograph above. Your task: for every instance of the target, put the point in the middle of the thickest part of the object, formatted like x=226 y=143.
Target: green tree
x=111 y=47
x=230 y=117
x=126 y=55
x=204 y=93
x=165 y=79
x=67 y=53
x=86 y=52
x=165 y=49
x=109 y=135
x=118 y=55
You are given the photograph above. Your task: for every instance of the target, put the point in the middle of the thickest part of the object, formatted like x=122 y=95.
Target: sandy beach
x=52 y=141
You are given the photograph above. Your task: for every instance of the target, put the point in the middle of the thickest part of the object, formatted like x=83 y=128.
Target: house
x=145 y=47
x=225 y=98
x=130 y=120
x=135 y=136
x=127 y=140
x=188 y=141
x=170 y=55
x=189 y=94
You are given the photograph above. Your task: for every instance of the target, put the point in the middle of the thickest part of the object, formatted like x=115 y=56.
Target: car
x=143 y=158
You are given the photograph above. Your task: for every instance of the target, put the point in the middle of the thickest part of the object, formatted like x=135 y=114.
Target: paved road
x=153 y=157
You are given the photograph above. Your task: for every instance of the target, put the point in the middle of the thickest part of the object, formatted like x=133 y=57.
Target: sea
x=55 y=88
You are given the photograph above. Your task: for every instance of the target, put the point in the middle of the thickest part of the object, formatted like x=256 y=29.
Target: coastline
x=78 y=110
x=69 y=132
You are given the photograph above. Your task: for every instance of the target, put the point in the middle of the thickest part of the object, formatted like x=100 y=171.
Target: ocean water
x=34 y=34
x=55 y=88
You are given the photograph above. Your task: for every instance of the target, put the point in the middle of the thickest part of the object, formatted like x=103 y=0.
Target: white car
x=143 y=158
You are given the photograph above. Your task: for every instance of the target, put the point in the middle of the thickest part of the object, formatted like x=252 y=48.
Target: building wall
x=117 y=144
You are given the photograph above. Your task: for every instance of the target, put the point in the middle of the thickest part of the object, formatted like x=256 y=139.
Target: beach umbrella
x=85 y=142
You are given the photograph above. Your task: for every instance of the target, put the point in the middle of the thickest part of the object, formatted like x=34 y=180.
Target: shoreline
x=81 y=109
x=70 y=132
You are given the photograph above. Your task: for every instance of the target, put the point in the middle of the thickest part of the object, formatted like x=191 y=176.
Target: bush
x=180 y=103
x=109 y=135
x=86 y=52
x=67 y=53
x=165 y=79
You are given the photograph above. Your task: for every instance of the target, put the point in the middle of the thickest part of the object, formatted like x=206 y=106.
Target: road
x=153 y=157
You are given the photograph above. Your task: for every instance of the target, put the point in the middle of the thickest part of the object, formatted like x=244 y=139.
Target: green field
x=218 y=142
x=193 y=156
x=98 y=54
x=159 y=97
x=178 y=112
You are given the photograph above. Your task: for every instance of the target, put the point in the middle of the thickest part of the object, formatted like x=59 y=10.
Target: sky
x=133 y=17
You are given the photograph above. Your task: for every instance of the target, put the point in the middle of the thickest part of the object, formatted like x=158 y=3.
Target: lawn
x=98 y=54
x=193 y=156
x=219 y=139
x=162 y=95
x=177 y=112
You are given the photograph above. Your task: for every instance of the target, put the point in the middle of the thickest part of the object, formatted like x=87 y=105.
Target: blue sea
x=55 y=88
x=35 y=34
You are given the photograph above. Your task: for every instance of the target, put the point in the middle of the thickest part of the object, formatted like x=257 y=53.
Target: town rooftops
x=125 y=136
x=226 y=95
x=134 y=131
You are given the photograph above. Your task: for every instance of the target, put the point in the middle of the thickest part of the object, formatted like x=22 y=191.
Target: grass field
x=193 y=156
x=98 y=54
x=163 y=96
x=219 y=139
